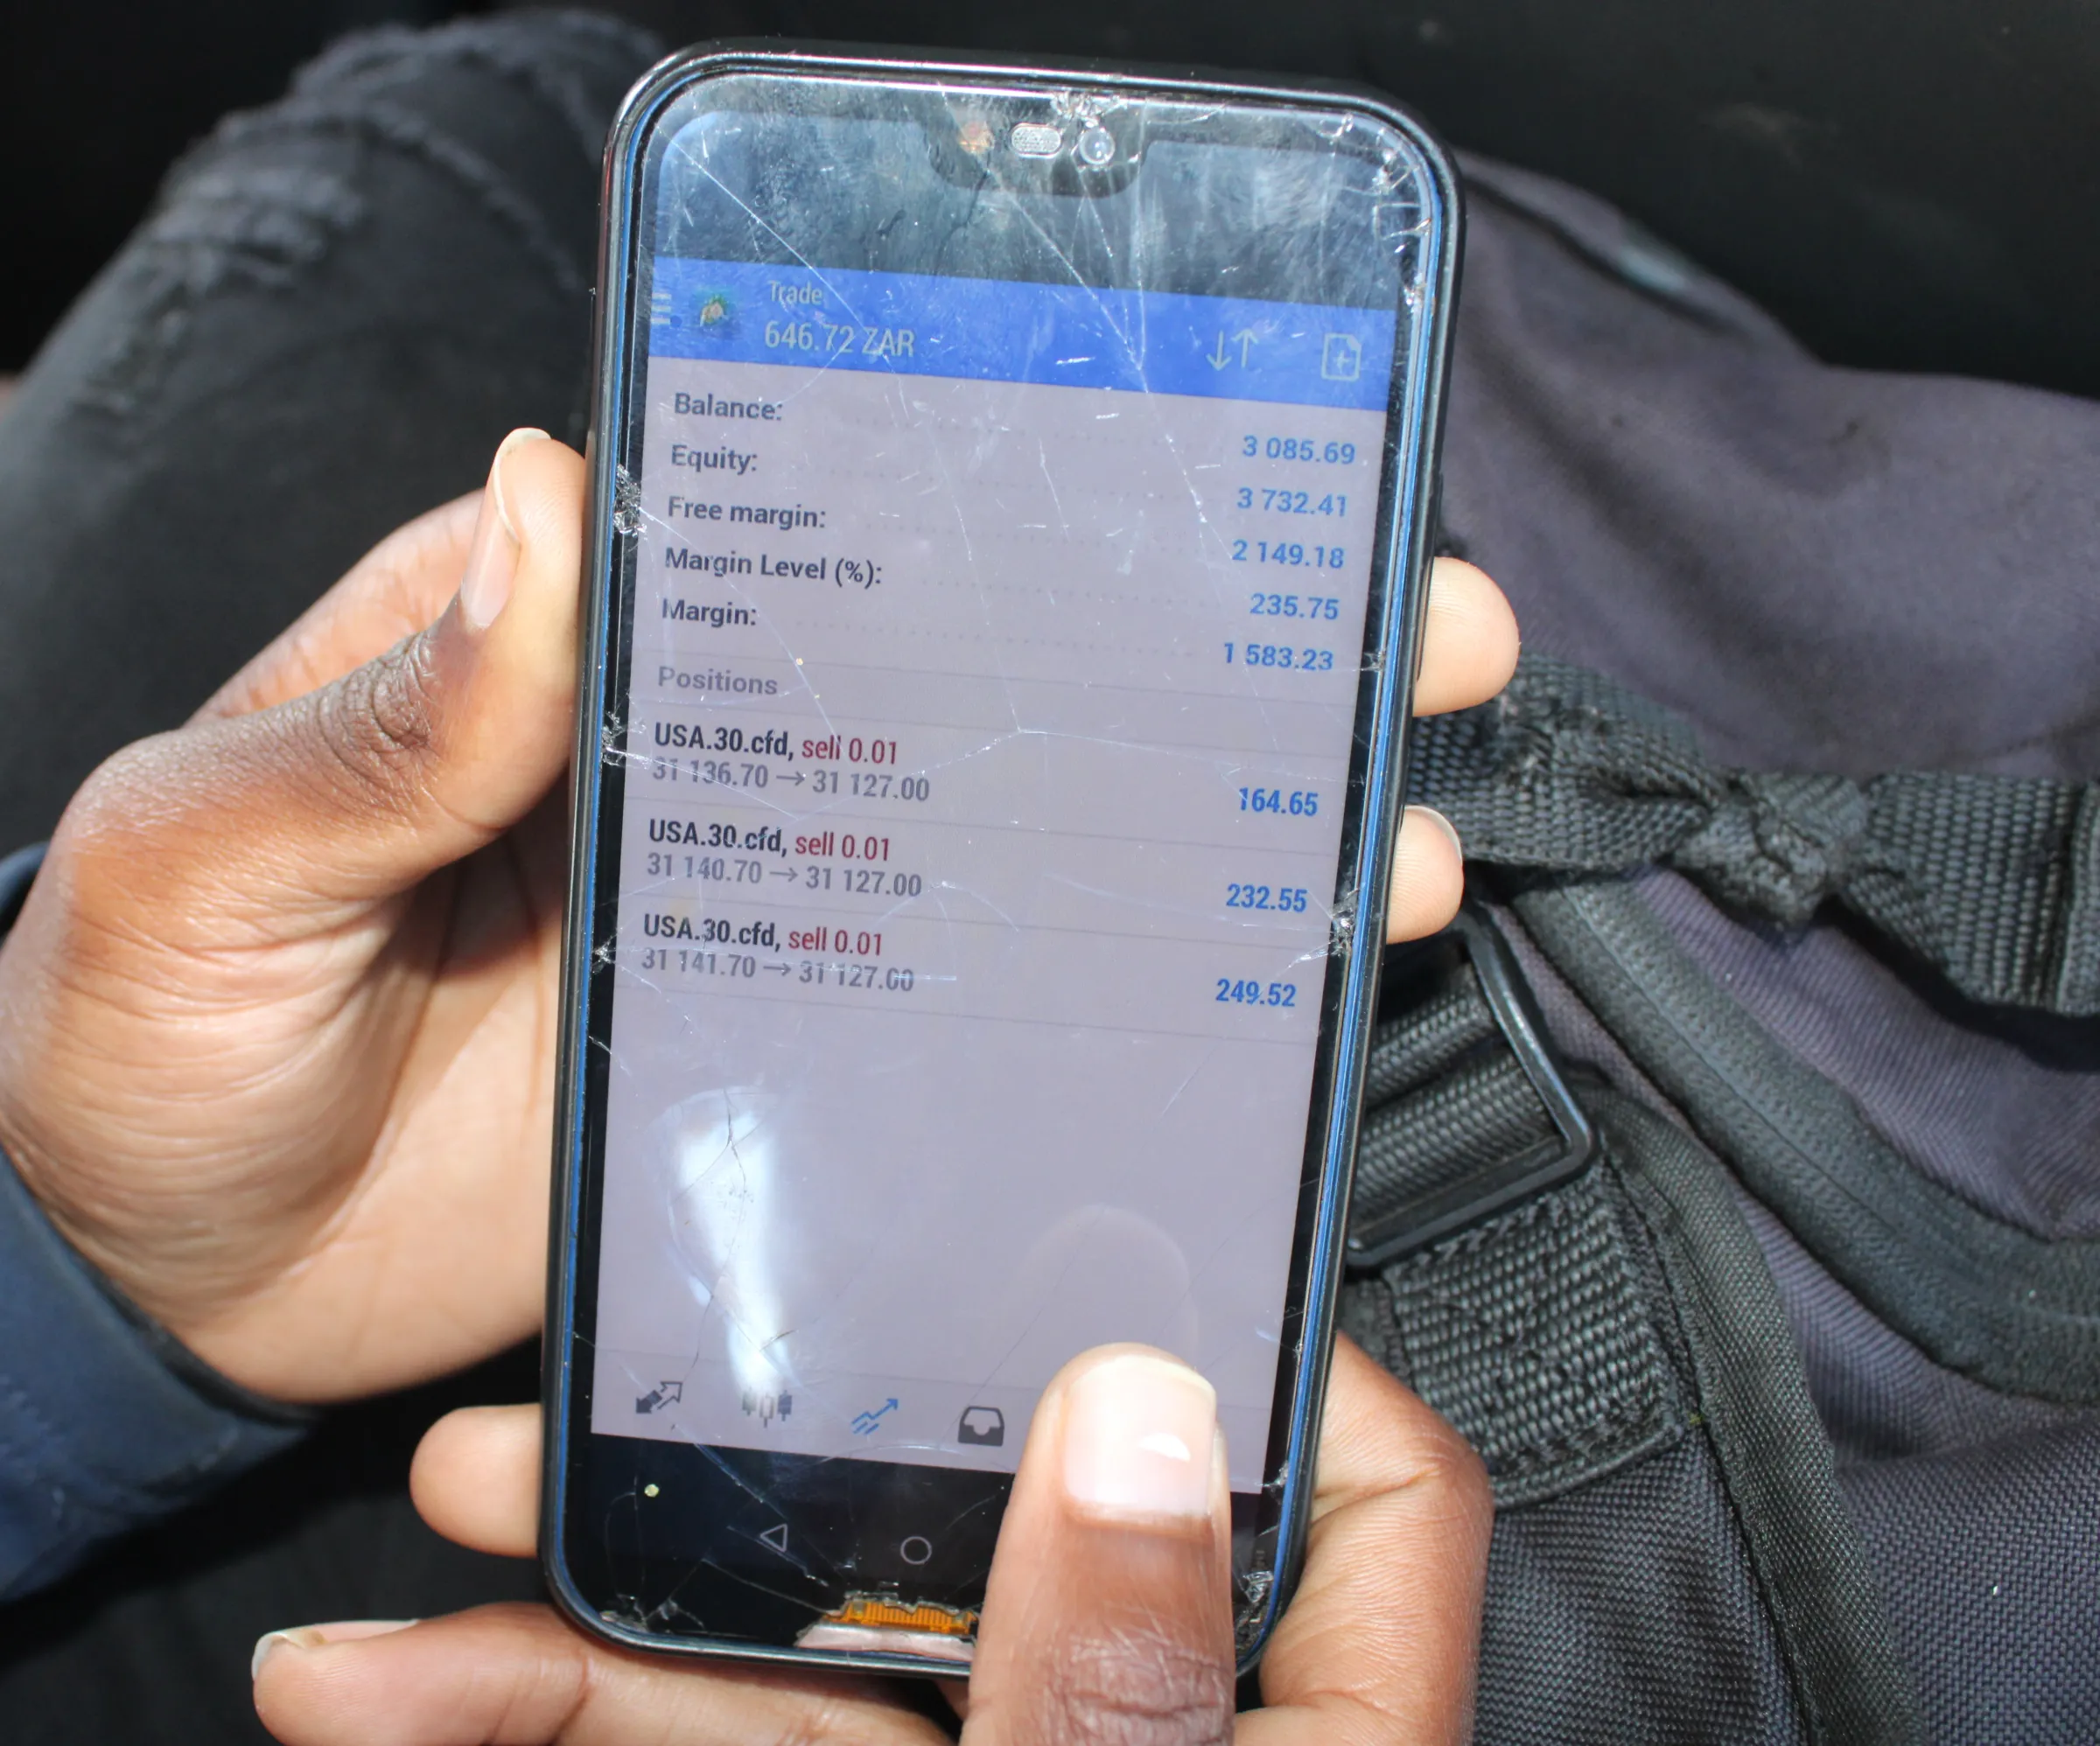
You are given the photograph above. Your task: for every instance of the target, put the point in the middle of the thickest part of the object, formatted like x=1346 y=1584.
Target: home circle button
x=916 y=1550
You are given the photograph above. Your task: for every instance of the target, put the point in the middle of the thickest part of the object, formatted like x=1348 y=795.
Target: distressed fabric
x=340 y=305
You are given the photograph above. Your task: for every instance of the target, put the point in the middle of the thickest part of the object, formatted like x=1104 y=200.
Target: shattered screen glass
x=1003 y=487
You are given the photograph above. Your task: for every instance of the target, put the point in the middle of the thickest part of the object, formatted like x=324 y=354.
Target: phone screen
x=1003 y=513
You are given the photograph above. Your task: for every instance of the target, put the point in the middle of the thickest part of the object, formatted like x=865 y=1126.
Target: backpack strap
x=2015 y=1311
x=1467 y=1110
x=1994 y=881
x=1502 y=1287
x=1584 y=1303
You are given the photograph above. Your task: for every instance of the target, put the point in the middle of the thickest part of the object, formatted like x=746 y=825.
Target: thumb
x=358 y=791
x=1107 y=1615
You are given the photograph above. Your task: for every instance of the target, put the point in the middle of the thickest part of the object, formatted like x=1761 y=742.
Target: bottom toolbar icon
x=984 y=1426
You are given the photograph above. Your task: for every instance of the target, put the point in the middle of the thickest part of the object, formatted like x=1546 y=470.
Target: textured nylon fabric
x=1539 y=1333
x=1806 y=565
x=1660 y=1572
x=1982 y=1297
x=1827 y=572
x=1879 y=1397
x=1995 y=881
x=2002 y=1108
x=1990 y=1563
x=1529 y=1333
x=1482 y=1113
x=1626 y=1613
x=1437 y=1033
x=1909 y=1433
x=1623 y=1608
x=1753 y=1396
x=1822 y=569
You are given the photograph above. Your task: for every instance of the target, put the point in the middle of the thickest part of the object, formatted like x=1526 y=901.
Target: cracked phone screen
x=1001 y=497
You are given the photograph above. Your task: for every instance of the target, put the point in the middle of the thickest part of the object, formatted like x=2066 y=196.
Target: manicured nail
x=1430 y=815
x=492 y=561
x=1139 y=1436
x=313 y=1636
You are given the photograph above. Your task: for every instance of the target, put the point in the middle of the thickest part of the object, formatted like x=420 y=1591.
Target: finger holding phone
x=317 y=1221
x=281 y=1009
x=1105 y=1622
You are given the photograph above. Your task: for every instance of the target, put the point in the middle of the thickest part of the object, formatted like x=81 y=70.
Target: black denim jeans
x=342 y=305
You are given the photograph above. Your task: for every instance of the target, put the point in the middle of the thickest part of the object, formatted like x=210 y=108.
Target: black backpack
x=1730 y=1175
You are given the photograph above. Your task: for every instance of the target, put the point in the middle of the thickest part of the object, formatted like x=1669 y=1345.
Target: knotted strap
x=1995 y=881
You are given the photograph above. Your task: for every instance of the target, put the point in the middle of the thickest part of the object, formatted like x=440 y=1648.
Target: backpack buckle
x=1479 y=1098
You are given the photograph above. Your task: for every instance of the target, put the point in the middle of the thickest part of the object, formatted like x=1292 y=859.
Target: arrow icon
x=863 y=1425
x=1218 y=358
x=798 y=779
x=663 y=1394
x=783 y=873
x=1246 y=335
x=782 y=968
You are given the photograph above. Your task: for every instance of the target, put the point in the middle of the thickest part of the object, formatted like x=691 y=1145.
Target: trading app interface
x=995 y=657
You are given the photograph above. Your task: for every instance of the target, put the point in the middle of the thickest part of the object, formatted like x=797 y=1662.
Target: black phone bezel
x=1397 y=594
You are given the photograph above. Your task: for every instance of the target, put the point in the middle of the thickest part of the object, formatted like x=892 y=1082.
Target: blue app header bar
x=1003 y=330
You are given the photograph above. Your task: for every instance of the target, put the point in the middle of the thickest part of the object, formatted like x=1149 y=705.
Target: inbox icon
x=984 y=1426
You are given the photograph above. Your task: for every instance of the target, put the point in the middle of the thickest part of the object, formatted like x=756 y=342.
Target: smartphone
x=1012 y=501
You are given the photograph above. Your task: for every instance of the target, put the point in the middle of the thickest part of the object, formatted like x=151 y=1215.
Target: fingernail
x=1138 y=1434
x=1430 y=815
x=313 y=1636
x=492 y=561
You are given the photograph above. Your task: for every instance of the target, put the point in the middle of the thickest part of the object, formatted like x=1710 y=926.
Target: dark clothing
x=148 y=1644
x=1907 y=187
x=341 y=305
x=102 y=1424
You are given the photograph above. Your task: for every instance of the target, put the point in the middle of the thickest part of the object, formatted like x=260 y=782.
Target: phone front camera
x=1095 y=148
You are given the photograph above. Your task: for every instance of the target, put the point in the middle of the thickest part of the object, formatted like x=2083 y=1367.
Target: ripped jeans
x=340 y=305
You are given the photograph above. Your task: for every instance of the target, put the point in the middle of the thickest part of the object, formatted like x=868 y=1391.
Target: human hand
x=1107 y=1617
x=277 y=1024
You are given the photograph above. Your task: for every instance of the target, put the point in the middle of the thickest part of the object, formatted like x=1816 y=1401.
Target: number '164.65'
x=1302 y=803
